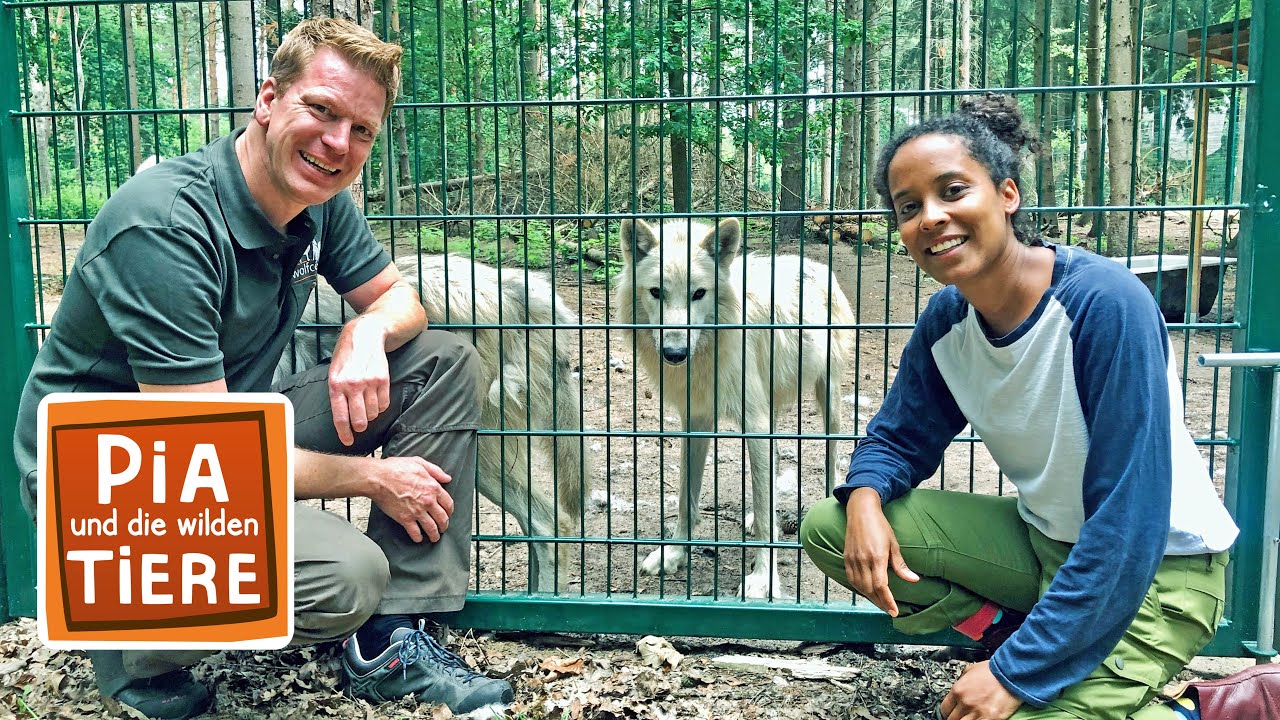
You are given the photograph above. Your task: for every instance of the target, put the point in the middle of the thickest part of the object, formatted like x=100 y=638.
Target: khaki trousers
x=342 y=576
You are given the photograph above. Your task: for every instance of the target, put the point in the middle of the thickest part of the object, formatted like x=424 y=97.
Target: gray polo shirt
x=183 y=280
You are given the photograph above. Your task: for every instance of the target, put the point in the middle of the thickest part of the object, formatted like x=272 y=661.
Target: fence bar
x=1270 y=540
x=18 y=347
x=1243 y=360
x=1253 y=396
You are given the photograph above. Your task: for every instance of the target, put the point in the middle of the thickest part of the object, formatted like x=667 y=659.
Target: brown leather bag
x=1251 y=694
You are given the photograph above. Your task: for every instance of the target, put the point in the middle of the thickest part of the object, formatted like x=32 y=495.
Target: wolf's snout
x=675 y=355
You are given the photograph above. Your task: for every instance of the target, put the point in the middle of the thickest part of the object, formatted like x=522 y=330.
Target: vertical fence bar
x=1255 y=308
x=18 y=348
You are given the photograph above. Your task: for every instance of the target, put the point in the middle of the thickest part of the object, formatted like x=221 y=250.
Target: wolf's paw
x=667 y=560
x=761 y=585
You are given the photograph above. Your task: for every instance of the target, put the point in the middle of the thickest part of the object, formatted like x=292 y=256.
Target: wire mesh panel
x=598 y=170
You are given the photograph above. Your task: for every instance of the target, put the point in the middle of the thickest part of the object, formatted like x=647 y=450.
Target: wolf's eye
x=656 y=293
x=699 y=293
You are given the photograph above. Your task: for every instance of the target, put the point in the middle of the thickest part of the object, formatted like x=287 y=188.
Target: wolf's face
x=675 y=272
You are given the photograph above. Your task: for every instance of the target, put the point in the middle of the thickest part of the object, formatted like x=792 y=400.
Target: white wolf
x=527 y=384
x=688 y=273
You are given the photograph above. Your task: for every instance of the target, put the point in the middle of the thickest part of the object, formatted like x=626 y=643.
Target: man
x=193 y=277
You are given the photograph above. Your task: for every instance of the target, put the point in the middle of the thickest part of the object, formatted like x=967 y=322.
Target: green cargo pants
x=972 y=548
x=342 y=576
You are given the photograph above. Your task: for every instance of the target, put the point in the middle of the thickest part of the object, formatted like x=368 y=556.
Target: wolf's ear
x=637 y=238
x=724 y=239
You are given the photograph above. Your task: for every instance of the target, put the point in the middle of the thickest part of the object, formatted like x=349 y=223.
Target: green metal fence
x=528 y=129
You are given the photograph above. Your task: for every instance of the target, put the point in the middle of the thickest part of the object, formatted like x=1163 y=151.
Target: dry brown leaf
x=564 y=666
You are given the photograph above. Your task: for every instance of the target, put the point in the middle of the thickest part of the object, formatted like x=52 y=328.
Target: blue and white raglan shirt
x=1082 y=409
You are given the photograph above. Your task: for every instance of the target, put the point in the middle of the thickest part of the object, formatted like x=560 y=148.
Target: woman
x=1105 y=574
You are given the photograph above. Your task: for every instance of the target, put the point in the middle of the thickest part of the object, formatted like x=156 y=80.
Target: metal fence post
x=1257 y=309
x=1269 y=544
x=17 y=346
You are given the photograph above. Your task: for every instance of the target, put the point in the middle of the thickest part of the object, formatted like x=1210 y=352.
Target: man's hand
x=870 y=548
x=978 y=695
x=359 y=381
x=410 y=491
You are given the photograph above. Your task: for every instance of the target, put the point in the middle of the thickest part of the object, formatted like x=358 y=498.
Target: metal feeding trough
x=1172 y=270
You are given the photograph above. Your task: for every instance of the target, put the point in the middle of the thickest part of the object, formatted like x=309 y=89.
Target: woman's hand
x=978 y=695
x=870 y=549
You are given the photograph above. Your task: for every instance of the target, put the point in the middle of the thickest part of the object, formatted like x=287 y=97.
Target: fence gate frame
x=1257 y=315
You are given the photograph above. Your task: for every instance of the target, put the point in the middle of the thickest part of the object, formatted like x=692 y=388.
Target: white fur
x=729 y=379
x=528 y=383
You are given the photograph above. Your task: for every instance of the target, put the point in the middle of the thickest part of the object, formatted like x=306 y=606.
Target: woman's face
x=953 y=220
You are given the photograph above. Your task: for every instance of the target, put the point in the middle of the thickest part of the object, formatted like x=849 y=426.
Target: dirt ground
x=632 y=491
x=556 y=677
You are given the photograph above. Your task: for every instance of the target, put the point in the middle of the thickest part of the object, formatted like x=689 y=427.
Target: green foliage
x=512 y=243
x=70 y=201
x=460 y=52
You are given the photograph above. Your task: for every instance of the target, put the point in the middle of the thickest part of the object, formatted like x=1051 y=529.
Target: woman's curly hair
x=992 y=128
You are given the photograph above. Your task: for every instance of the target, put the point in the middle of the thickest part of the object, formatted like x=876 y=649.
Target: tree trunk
x=479 y=159
x=871 y=127
x=850 y=185
x=829 y=86
x=1120 y=124
x=79 y=40
x=131 y=86
x=43 y=129
x=182 y=90
x=396 y=167
x=1046 y=192
x=791 y=194
x=1093 y=121
x=926 y=53
x=531 y=48
x=241 y=55
x=213 y=123
x=965 y=8
x=679 y=113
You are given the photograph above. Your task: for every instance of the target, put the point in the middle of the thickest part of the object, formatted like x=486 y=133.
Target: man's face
x=320 y=129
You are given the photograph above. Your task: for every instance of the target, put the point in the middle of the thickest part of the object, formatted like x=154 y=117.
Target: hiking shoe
x=415 y=664
x=172 y=696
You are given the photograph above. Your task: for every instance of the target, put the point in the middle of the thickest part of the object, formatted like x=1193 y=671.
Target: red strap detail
x=975 y=626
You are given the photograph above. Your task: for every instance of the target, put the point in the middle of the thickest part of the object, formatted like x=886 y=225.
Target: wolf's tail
x=555 y=397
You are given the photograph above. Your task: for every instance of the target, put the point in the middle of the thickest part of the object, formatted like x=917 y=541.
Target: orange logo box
x=165 y=521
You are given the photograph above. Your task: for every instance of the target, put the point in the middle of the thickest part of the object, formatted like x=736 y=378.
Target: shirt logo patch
x=309 y=264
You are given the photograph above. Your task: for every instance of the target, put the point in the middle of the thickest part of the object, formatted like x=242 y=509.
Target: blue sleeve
x=1121 y=360
x=919 y=418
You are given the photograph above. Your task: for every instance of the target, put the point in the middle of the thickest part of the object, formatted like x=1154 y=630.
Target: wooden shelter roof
x=1225 y=43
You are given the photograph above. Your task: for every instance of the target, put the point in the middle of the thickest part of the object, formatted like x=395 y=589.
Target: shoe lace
x=420 y=645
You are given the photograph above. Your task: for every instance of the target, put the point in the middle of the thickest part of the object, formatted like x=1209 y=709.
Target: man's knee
x=360 y=581
x=339 y=595
x=439 y=353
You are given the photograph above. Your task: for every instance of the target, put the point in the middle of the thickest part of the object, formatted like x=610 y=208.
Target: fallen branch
x=457 y=183
x=809 y=669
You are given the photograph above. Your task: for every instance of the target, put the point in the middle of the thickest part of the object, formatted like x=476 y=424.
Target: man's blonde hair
x=359 y=46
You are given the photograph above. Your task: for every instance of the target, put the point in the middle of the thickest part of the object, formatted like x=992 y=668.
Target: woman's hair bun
x=1003 y=118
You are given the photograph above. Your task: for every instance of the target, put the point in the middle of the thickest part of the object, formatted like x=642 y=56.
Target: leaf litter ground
x=555 y=676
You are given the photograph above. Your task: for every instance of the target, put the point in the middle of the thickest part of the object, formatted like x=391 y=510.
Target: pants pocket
x=1192 y=599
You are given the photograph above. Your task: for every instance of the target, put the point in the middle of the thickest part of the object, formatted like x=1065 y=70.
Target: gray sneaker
x=415 y=664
